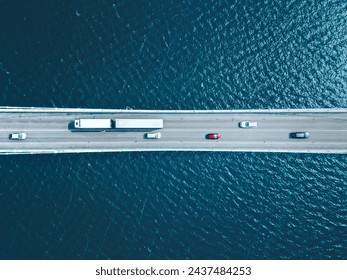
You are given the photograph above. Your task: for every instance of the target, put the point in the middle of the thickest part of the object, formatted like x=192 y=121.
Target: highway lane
x=184 y=131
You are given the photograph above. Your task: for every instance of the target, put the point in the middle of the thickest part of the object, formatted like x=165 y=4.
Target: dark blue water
x=173 y=55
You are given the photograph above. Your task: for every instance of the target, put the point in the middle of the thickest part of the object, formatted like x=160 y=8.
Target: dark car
x=213 y=136
x=299 y=135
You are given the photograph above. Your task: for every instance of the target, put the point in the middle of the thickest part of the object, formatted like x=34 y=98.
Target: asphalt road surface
x=52 y=132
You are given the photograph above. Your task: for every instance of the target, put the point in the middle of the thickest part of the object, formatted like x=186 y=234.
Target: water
x=173 y=55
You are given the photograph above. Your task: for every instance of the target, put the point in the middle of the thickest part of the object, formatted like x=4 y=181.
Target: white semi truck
x=138 y=123
x=93 y=123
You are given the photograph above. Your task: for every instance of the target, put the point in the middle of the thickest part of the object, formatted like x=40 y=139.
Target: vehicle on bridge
x=155 y=135
x=18 y=136
x=299 y=135
x=93 y=123
x=213 y=136
x=138 y=123
x=247 y=124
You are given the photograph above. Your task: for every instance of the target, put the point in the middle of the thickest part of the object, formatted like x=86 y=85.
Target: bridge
x=49 y=131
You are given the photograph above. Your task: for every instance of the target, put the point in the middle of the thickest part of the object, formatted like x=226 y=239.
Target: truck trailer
x=93 y=123
x=138 y=123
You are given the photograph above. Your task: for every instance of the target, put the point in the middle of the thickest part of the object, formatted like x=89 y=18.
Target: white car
x=156 y=135
x=247 y=124
x=18 y=136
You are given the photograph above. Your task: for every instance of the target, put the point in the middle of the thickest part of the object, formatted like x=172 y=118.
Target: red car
x=213 y=136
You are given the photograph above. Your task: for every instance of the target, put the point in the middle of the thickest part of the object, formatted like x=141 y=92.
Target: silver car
x=247 y=124
x=156 y=135
x=18 y=136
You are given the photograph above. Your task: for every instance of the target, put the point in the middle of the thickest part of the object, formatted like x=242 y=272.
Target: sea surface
x=154 y=54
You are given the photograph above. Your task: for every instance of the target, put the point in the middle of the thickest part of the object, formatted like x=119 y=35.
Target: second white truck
x=139 y=123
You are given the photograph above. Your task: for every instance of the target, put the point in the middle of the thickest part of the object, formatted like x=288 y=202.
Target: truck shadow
x=71 y=127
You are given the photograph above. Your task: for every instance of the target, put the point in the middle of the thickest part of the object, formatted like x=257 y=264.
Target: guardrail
x=9 y=109
x=67 y=151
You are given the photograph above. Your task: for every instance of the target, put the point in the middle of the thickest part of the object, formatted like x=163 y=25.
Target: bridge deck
x=50 y=132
